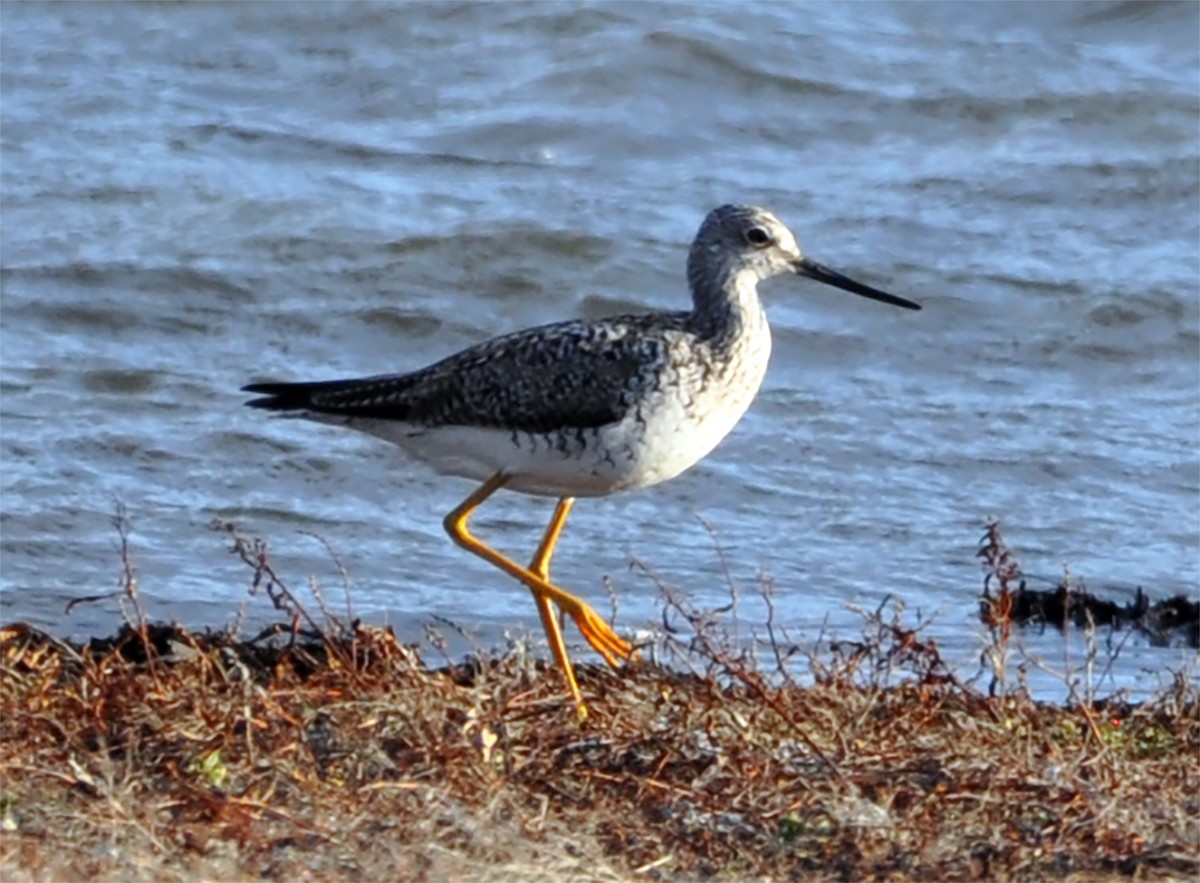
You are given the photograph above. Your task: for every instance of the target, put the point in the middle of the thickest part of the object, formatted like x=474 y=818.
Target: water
x=196 y=196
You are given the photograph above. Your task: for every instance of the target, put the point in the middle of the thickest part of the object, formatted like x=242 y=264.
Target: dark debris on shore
x=352 y=759
x=1164 y=622
x=324 y=749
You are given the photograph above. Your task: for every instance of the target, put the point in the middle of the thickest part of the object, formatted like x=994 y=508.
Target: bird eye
x=757 y=236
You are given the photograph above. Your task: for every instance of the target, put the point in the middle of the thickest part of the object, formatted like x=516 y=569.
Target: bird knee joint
x=456 y=526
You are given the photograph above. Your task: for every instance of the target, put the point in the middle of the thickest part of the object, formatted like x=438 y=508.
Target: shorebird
x=584 y=409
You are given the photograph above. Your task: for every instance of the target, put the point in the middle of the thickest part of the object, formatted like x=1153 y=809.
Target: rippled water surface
x=196 y=196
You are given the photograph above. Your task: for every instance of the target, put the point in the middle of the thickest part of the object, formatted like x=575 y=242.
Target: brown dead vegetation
x=331 y=751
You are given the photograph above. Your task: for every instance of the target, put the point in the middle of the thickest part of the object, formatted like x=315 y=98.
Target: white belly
x=588 y=463
x=671 y=430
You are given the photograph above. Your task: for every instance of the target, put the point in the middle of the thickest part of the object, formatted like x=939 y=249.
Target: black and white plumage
x=589 y=408
x=584 y=408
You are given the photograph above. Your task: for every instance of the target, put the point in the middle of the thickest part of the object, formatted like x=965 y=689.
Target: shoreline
x=341 y=754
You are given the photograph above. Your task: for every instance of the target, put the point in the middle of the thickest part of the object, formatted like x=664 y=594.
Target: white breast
x=678 y=422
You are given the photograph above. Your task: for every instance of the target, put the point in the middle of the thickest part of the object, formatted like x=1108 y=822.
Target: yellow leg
x=594 y=629
x=540 y=567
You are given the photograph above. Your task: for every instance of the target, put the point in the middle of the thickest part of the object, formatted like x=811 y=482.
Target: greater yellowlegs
x=585 y=409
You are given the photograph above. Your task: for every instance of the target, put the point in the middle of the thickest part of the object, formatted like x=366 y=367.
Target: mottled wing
x=574 y=375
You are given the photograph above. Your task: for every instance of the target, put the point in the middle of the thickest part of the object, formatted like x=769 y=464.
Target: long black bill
x=813 y=270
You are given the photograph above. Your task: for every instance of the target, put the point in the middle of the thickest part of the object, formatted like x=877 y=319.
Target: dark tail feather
x=287 y=396
x=381 y=397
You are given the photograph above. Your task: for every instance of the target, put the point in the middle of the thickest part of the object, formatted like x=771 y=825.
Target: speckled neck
x=725 y=303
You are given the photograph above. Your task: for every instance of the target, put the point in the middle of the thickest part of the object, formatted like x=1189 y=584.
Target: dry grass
x=336 y=753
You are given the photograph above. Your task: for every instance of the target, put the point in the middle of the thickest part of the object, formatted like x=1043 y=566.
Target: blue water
x=196 y=196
